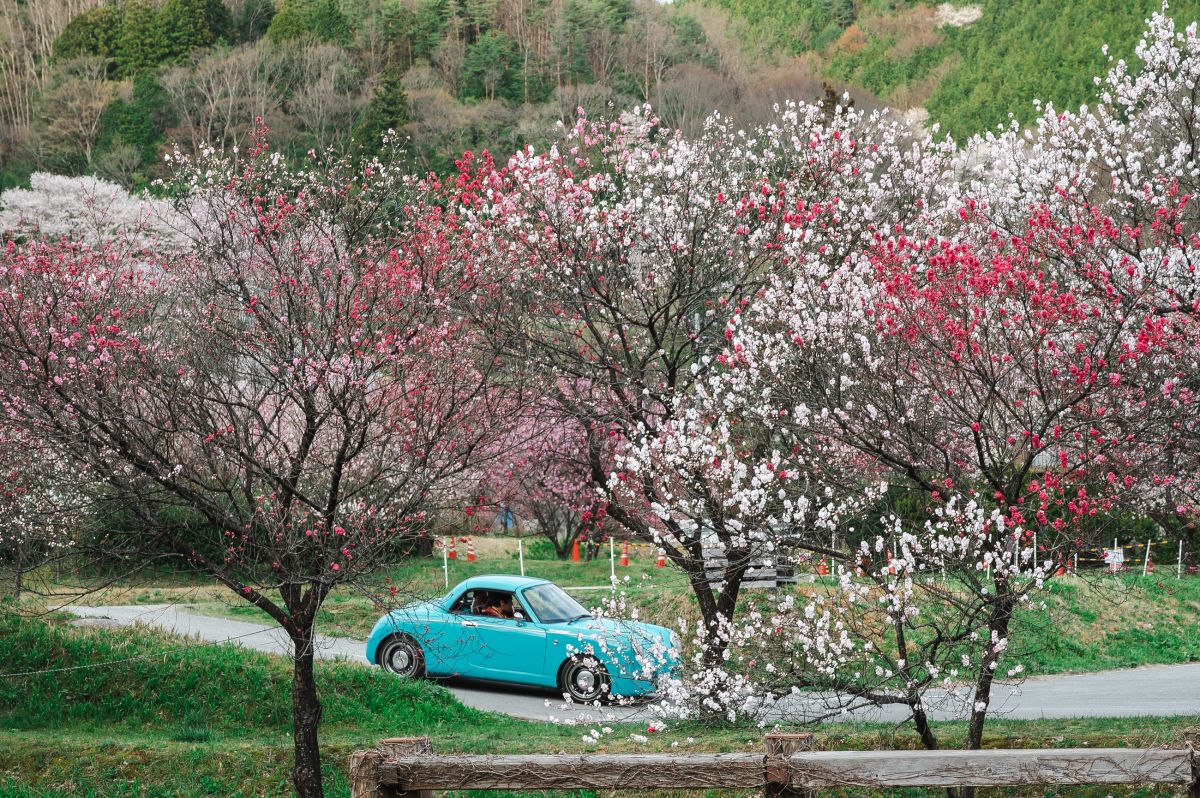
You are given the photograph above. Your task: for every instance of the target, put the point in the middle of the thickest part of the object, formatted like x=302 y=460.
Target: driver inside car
x=499 y=606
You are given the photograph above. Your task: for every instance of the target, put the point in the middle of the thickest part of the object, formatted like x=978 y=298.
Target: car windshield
x=552 y=605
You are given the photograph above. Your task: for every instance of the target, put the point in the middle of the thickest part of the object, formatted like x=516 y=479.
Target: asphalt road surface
x=1161 y=690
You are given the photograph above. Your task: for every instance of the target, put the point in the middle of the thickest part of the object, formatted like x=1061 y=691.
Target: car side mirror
x=518 y=615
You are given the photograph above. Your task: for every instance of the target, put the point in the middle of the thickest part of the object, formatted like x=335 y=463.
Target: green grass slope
x=127 y=713
x=969 y=78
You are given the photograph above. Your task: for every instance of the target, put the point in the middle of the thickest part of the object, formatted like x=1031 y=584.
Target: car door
x=448 y=640
x=505 y=649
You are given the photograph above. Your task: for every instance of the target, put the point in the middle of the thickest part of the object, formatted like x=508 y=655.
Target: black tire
x=402 y=655
x=585 y=679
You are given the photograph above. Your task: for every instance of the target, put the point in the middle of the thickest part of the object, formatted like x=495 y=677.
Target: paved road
x=1156 y=690
x=509 y=700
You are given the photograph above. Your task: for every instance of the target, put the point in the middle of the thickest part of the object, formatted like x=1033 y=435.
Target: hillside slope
x=970 y=78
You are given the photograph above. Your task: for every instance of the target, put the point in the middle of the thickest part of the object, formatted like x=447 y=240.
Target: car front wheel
x=584 y=679
x=402 y=656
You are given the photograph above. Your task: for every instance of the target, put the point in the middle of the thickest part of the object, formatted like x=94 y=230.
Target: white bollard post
x=1146 y=560
x=521 y=555
x=1075 y=567
x=1179 y=562
x=612 y=561
x=446 y=564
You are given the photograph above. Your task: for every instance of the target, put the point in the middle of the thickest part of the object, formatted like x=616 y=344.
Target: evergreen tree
x=429 y=26
x=139 y=122
x=387 y=110
x=289 y=23
x=576 y=19
x=141 y=45
x=94 y=32
x=190 y=24
x=329 y=24
x=489 y=69
x=322 y=20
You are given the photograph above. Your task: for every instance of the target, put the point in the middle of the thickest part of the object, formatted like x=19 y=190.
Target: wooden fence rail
x=787 y=768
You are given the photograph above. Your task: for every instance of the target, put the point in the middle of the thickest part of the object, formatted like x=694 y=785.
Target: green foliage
x=1015 y=53
x=691 y=41
x=140 y=35
x=786 y=26
x=141 y=45
x=429 y=25
x=490 y=69
x=94 y=32
x=387 y=110
x=252 y=21
x=876 y=69
x=320 y=20
x=397 y=24
x=1043 y=49
x=190 y=24
x=139 y=123
x=578 y=22
x=538 y=549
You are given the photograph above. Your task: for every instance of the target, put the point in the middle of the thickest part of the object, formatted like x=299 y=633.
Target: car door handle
x=470 y=623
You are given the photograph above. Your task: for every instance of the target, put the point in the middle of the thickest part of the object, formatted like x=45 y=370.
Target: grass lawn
x=1089 y=623
x=131 y=713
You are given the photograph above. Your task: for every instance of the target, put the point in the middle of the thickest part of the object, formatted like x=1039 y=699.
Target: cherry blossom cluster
x=88 y=210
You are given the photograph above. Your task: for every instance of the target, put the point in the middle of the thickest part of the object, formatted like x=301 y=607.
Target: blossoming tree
x=302 y=380
x=627 y=248
x=541 y=474
x=88 y=210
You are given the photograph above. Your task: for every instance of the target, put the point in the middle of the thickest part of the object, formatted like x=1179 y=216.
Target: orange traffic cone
x=625 y=553
x=1149 y=563
x=452 y=554
x=821 y=569
x=1061 y=570
x=470 y=550
x=891 y=568
x=575 y=551
x=661 y=562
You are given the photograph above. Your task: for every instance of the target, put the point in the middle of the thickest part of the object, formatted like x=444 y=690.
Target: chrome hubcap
x=585 y=680
x=400 y=659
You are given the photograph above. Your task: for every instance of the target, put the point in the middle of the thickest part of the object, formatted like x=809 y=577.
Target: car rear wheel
x=402 y=656
x=584 y=679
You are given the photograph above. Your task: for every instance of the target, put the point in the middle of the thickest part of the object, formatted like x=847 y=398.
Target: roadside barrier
x=625 y=553
x=787 y=767
x=661 y=560
x=452 y=554
x=470 y=549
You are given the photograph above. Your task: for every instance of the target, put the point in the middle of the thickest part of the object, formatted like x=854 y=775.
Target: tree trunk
x=998 y=624
x=306 y=715
x=18 y=571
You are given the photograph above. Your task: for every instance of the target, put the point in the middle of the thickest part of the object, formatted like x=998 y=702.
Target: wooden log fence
x=787 y=768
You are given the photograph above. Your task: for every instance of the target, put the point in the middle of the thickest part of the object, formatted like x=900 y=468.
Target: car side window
x=462 y=606
x=491 y=603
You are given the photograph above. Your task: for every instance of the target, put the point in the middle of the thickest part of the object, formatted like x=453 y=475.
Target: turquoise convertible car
x=525 y=631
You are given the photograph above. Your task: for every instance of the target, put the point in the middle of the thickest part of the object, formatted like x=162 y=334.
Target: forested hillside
x=101 y=86
x=970 y=65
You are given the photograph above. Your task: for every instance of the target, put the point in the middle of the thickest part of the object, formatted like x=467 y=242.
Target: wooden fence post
x=364 y=774
x=780 y=746
x=1192 y=739
x=404 y=746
